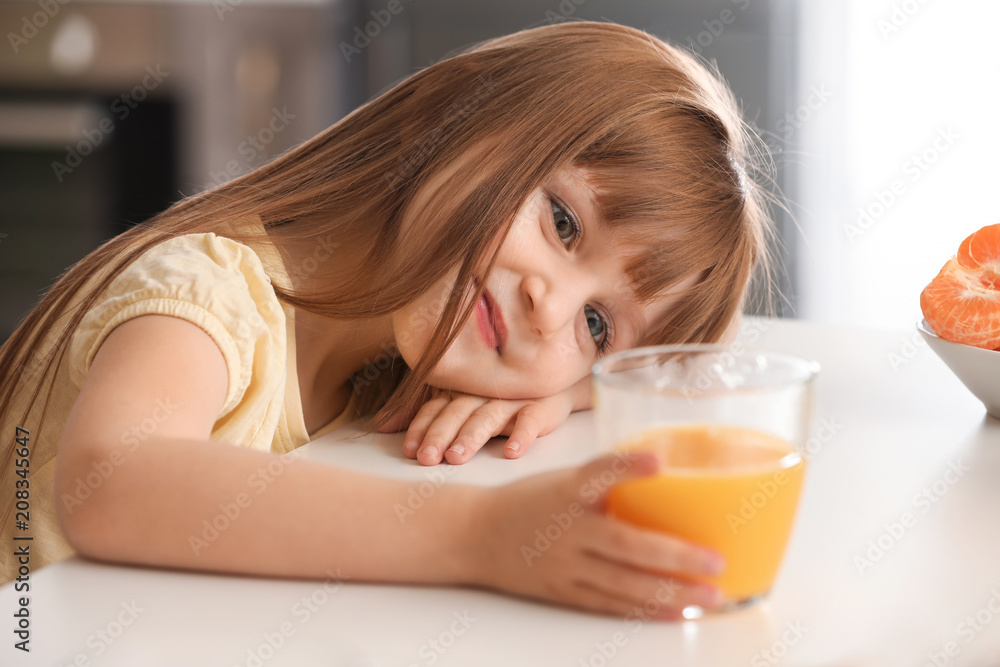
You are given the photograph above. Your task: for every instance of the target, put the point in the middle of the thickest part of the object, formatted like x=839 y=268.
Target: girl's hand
x=454 y=425
x=547 y=536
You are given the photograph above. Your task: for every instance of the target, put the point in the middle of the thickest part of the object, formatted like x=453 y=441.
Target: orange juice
x=731 y=489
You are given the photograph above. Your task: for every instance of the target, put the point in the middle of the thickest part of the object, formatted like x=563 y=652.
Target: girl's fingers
x=400 y=421
x=650 y=550
x=640 y=588
x=528 y=424
x=486 y=422
x=421 y=422
x=441 y=432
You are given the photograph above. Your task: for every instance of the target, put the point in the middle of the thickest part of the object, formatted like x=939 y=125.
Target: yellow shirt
x=219 y=285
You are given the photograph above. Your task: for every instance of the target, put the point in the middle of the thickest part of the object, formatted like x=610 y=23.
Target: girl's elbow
x=78 y=501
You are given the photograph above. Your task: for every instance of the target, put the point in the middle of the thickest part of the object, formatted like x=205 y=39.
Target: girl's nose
x=551 y=307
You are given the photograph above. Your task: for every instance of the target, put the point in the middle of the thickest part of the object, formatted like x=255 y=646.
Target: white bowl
x=977 y=368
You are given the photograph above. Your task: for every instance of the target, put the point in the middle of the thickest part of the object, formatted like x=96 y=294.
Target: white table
x=897 y=421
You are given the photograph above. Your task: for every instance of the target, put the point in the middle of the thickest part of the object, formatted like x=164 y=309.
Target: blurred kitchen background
x=881 y=115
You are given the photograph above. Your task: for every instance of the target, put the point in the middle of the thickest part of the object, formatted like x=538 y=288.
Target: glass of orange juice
x=728 y=425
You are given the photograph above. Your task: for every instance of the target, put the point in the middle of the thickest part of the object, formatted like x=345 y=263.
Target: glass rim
x=600 y=371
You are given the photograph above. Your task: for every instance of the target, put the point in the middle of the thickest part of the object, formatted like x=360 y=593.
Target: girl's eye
x=599 y=328
x=566 y=227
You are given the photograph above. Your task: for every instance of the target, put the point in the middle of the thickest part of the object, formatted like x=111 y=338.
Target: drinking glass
x=728 y=425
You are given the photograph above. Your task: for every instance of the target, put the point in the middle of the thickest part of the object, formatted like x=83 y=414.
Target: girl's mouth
x=490 y=321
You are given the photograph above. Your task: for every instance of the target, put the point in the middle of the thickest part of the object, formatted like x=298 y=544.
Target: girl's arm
x=208 y=505
x=175 y=498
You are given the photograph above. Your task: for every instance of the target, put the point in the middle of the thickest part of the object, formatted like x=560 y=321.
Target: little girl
x=453 y=256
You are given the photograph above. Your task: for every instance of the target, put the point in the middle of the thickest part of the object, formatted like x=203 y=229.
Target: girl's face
x=562 y=295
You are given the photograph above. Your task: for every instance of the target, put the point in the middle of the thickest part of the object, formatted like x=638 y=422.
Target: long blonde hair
x=676 y=172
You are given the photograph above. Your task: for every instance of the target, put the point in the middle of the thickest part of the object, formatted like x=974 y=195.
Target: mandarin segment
x=962 y=303
x=981 y=249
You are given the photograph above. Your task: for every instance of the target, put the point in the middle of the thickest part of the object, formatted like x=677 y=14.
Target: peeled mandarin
x=962 y=303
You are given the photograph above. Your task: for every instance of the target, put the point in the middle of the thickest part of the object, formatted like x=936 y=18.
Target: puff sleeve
x=211 y=281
